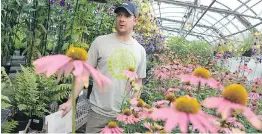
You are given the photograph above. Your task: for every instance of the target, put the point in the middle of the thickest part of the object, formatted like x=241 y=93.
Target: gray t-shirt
x=111 y=57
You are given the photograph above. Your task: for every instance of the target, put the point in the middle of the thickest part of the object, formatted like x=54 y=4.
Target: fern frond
x=7 y=127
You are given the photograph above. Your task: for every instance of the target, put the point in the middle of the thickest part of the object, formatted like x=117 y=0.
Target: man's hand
x=65 y=107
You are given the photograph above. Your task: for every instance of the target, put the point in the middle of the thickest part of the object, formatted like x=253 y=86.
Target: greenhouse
x=136 y=66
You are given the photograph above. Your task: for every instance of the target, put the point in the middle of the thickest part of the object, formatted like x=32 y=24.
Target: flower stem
x=73 y=106
x=125 y=96
x=199 y=85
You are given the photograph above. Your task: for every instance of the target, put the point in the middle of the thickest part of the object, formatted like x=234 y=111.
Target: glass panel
x=232 y=28
x=253 y=21
x=259 y=28
x=248 y=12
x=242 y=9
x=217 y=5
x=190 y=38
x=213 y=17
x=200 y=29
x=257 y=8
x=238 y=24
x=204 y=22
x=205 y=2
x=232 y=4
x=252 y=2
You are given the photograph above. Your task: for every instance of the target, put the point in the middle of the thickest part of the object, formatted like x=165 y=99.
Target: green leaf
x=74 y=37
x=5 y=105
x=65 y=46
x=5 y=98
x=37 y=42
x=42 y=26
x=41 y=3
x=17 y=1
x=22 y=107
x=7 y=127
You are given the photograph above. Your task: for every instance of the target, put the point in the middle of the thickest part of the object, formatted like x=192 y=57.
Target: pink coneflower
x=253 y=107
x=245 y=68
x=112 y=128
x=134 y=101
x=234 y=97
x=130 y=74
x=127 y=117
x=235 y=123
x=75 y=58
x=161 y=103
x=200 y=75
x=146 y=113
x=253 y=96
x=138 y=106
x=161 y=74
x=161 y=89
x=258 y=80
x=172 y=89
x=225 y=130
x=189 y=87
x=184 y=110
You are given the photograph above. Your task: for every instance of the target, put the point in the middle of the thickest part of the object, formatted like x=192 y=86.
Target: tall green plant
x=41 y=91
x=10 y=12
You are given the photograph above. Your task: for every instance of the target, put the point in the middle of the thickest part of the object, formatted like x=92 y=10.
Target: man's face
x=124 y=22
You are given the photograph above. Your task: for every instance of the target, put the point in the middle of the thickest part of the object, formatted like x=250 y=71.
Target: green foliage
x=7 y=127
x=6 y=84
x=182 y=48
x=5 y=101
x=41 y=91
x=77 y=44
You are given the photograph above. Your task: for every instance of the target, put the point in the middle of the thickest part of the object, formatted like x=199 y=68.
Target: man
x=112 y=54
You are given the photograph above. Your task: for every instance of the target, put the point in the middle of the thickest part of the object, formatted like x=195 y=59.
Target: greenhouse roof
x=209 y=20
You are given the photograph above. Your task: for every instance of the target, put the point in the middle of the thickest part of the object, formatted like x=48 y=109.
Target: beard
x=123 y=32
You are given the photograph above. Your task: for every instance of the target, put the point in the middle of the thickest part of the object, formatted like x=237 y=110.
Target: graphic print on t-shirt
x=119 y=61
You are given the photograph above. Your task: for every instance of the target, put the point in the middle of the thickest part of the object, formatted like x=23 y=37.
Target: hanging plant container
x=248 y=53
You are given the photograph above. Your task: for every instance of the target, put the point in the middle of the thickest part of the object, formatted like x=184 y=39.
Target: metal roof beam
x=212 y=9
x=198 y=25
x=178 y=30
x=178 y=21
x=244 y=22
x=252 y=27
x=201 y=17
x=188 y=15
x=198 y=36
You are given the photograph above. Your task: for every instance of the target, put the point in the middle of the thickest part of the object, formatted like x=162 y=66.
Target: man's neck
x=124 y=37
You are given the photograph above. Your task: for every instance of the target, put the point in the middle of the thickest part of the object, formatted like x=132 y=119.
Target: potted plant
x=34 y=93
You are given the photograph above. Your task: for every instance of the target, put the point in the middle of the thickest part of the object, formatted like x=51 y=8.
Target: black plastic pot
x=7 y=68
x=37 y=123
x=21 y=50
x=22 y=120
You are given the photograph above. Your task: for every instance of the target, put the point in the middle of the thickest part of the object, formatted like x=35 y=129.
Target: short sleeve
x=141 y=71
x=93 y=54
